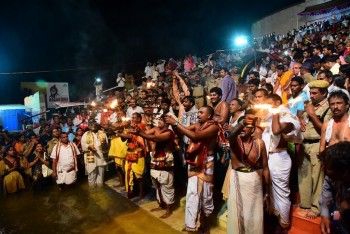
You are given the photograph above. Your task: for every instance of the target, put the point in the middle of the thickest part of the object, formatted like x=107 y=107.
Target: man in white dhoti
x=199 y=197
x=162 y=163
x=64 y=165
x=243 y=186
x=93 y=143
x=281 y=127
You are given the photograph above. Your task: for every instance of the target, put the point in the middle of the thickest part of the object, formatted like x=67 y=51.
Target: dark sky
x=112 y=36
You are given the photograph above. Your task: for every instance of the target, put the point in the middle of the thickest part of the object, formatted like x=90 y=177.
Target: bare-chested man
x=199 y=197
x=245 y=189
x=162 y=163
x=337 y=128
x=221 y=108
x=281 y=126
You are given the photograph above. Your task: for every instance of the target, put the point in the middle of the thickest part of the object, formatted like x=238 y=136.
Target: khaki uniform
x=51 y=144
x=310 y=175
x=236 y=78
x=198 y=94
x=212 y=82
x=308 y=78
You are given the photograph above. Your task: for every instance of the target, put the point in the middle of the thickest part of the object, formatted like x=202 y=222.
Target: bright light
x=241 y=41
x=114 y=103
x=98 y=79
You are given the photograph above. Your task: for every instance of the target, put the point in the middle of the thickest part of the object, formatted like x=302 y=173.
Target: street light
x=241 y=41
x=98 y=86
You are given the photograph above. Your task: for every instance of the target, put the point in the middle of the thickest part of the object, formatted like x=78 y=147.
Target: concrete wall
x=283 y=21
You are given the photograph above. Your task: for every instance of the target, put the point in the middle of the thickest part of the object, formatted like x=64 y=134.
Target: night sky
x=111 y=36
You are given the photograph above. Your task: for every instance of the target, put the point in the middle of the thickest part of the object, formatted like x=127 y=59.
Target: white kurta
x=65 y=163
x=99 y=159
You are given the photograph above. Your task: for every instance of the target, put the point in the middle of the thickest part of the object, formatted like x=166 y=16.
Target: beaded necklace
x=245 y=155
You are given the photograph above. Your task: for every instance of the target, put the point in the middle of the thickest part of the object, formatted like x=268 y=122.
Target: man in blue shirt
x=228 y=86
x=296 y=102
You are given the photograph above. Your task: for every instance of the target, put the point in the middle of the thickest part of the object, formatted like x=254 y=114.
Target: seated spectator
x=11 y=168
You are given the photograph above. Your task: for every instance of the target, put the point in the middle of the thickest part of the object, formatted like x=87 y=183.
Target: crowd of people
x=241 y=135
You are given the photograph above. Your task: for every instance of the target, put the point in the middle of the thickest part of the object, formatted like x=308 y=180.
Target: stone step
x=300 y=222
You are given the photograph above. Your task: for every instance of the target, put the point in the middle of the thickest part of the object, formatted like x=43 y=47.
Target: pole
x=110 y=89
x=22 y=120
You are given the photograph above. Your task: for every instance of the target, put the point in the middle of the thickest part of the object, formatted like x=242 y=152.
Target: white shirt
x=120 y=81
x=335 y=69
x=66 y=158
x=161 y=67
x=148 y=71
x=131 y=111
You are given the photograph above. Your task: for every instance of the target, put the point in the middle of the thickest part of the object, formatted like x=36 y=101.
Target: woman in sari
x=36 y=160
x=12 y=180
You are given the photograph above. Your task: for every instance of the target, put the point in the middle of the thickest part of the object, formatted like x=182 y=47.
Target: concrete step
x=300 y=222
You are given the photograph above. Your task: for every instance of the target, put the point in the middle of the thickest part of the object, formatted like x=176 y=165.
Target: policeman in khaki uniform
x=213 y=82
x=198 y=92
x=310 y=175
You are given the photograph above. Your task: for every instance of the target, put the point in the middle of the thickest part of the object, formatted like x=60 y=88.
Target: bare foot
x=187 y=229
x=157 y=209
x=311 y=215
x=166 y=215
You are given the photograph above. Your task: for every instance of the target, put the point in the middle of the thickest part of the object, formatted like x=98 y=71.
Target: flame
x=150 y=84
x=268 y=107
x=262 y=106
x=124 y=119
x=114 y=103
x=93 y=103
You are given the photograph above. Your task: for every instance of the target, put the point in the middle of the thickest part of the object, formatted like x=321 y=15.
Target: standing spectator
x=335 y=191
x=160 y=67
x=120 y=82
x=134 y=108
x=148 y=70
x=228 y=86
x=64 y=165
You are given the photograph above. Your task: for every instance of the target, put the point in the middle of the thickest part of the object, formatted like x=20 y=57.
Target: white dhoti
x=66 y=177
x=280 y=165
x=96 y=176
x=245 y=203
x=199 y=197
x=163 y=181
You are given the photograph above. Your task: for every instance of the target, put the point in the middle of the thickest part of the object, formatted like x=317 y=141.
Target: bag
x=194 y=154
x=45 y=170
x=90 y=157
